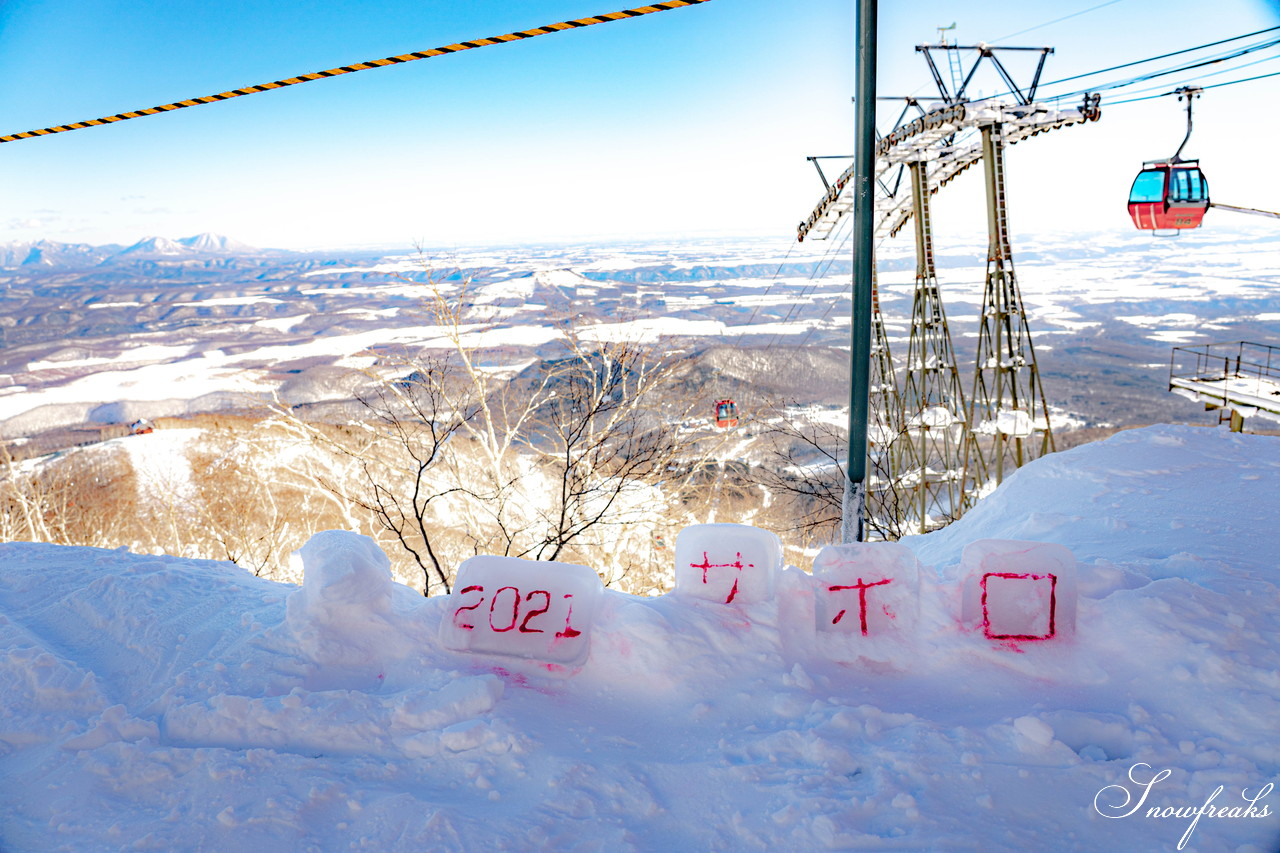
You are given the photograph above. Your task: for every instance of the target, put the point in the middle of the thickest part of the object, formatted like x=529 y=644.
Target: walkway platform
x=1239 y=376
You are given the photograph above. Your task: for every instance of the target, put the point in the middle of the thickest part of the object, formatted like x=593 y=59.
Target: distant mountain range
x=49 y=253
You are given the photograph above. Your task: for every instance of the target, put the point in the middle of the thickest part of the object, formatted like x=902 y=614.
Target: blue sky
x=686 y=122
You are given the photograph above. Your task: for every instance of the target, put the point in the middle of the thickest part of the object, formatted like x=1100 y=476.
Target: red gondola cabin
x=726 y=414
x=1169 y=195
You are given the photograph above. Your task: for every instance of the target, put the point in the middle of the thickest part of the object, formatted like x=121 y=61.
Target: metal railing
x=1234 y=360
x=1229 y=371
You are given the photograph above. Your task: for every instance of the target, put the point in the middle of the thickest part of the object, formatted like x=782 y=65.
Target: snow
x=1249 y=395
x=170 y=704
x=282 y=324
x=191 y=378
x=147 y=353
x=229 y=300
x=544 y=611
x=342 y=615
x=162 y=465
x=869 y=592
x=212 y=372
x=652 y=330
x=727 y=563
x=1016 y=589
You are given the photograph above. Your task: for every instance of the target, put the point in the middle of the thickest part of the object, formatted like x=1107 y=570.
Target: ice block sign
x=728 y=563
x=1019 y=590
x=532 y=609
x=868 y=589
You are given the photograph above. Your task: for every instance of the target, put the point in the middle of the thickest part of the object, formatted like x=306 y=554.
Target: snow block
x=341 y=570
x=727 y=563
x=1021 y=591
x=869 y=591
x=532 y=609
x=342 y=615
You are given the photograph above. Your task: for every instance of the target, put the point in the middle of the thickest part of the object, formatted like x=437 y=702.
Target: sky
x=690 y=122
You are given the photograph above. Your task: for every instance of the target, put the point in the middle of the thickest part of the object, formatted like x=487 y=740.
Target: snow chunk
x=728 y=563
x=114 y=724
x=1035 y=730
x=869 y=592
x=538 y=610
x=343 y=573
x=342 y=615
x=1020 y=590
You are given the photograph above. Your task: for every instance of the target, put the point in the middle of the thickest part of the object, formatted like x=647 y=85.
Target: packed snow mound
x=162 y=703
x=342 y=615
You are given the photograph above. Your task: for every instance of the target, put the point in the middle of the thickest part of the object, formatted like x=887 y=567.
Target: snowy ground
x=154 y=703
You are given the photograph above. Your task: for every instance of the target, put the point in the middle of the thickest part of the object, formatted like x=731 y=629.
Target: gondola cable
x=1195 y=80
x=1161 y=56
x=767 y=291
x=1206 y=88
x=1165 y=72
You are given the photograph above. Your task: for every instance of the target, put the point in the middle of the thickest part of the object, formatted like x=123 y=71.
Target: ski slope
x=157 y=703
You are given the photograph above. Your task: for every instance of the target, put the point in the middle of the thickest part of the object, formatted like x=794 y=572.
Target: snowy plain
x=157 y=703
x=150 y=338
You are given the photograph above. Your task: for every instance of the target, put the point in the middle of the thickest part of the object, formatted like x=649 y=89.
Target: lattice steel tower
x=1008 y=412
x=930 y=452
x=884 y=507
x=940 y=471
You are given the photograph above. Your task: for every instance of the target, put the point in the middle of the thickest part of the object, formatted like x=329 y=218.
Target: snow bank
x=158 y=703
x=342 y=616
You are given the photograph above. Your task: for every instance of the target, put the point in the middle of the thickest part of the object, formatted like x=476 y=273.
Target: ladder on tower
x=929 y=455
x=953 y=66
x=954 y=69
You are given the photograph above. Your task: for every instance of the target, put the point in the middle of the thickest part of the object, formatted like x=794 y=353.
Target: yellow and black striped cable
x=362 y=66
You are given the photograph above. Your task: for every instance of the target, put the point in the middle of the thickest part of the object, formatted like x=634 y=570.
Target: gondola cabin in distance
x=726 y=414
x=1169 y=195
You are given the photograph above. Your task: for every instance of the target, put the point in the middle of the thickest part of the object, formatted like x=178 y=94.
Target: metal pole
x=855 y=495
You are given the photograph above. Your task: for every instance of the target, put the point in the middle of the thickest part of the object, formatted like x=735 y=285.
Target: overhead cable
x=1174 y=92
x=1164 y=73
x=362 y=66
x=1059 y=20
x=1161 y=56
x=1195 y=80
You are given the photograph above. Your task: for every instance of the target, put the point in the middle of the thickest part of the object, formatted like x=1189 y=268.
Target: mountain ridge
x=48 y=254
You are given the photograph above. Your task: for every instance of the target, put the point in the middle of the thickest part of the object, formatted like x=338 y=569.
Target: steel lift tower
x=886 y=507
x=885 y=483
x=935 y=472
x=930 y=451
x=1008 y=412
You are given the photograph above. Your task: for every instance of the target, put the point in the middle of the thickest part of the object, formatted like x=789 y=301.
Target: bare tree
x=414 y=420
x=250 y=504
x=603 y=440
x=807 y=467
x=566 y=459
x=84 y=496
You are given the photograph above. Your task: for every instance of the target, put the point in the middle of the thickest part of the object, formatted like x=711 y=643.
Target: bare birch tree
x=576 y=457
